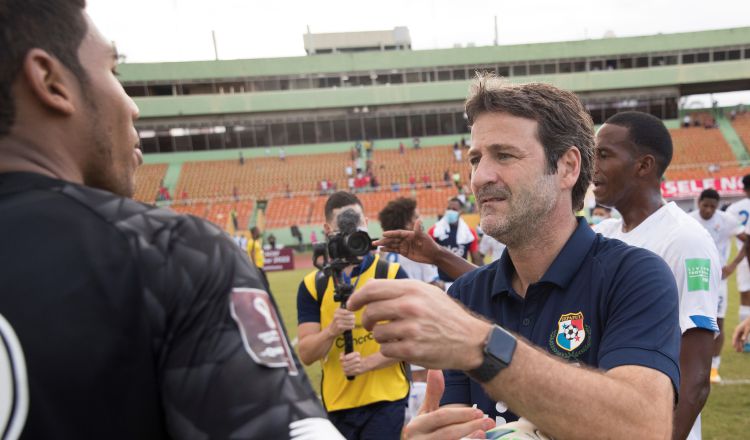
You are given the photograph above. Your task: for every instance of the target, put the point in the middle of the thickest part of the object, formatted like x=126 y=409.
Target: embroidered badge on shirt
x=570 y=335
x=261 y=329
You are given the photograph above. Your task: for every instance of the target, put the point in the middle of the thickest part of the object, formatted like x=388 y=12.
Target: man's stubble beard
x=101 y=171
x=528 y=210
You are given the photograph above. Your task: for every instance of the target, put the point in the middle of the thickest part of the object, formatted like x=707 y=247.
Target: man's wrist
x=442 y=256
x=330 y=332
x=481 y=333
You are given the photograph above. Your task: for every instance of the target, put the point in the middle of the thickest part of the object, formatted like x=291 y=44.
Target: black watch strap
x=498 y=353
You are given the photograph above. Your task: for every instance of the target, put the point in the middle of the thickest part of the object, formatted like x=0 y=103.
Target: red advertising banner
x=278 y=259
x=684 y=189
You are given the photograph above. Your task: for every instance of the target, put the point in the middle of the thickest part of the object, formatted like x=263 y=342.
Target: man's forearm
x=695 y=367
x=377 y=361
x=740 y=255
x=450 y=263
x=314 y=347
x=536 y=384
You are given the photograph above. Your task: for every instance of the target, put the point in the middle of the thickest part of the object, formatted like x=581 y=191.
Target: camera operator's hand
x=343 y=320
x=353 y=364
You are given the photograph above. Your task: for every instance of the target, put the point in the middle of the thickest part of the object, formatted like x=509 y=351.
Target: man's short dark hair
x=562 y=120
x=457 y=200
x=56 y=26
x=649 y=134
x=746 y=181
x=339 y=200
x=606 y=208
x=397 y=213
x=709 y=193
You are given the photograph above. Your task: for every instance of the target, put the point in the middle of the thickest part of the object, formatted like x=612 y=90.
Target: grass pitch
x=726 y=416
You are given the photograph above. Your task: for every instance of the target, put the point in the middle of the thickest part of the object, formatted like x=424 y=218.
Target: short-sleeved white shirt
x=688 y=250
x=490 y=246
x=722 y=227
x=741 y=211
x=416 y=271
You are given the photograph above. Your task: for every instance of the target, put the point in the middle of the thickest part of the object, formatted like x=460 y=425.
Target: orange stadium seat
x=741 y=125
x=148 y=178
x=696 y=151
x=212 y=184
x=220 y=213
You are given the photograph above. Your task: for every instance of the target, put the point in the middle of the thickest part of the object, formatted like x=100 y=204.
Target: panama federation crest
x=570 y=331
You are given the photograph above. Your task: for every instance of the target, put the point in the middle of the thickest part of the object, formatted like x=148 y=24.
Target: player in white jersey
x=490 y=246
x=402 y=213
x=722 y=227
x=741 y=210
x=633 y=150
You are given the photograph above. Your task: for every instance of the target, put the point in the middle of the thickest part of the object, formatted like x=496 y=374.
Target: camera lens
x=359 y=243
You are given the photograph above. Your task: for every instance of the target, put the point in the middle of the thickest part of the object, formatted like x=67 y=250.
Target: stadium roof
x=634 y=79
x=369 y=61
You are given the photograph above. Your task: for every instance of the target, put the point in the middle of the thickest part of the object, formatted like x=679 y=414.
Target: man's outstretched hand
x=415 y=245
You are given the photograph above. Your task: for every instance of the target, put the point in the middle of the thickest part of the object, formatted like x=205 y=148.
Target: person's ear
x=569 y=167
x=50 y=81
x=327 y=229
x=646 y=165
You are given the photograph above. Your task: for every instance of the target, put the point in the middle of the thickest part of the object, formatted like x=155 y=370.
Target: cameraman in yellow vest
x=371 y=406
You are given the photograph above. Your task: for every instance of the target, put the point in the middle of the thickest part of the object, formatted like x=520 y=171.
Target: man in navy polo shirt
x=562 y=297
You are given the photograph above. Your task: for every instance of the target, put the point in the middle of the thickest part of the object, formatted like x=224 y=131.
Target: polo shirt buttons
x=526 y=322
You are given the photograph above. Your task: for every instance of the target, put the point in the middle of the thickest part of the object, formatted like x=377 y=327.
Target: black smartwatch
x=498 y=353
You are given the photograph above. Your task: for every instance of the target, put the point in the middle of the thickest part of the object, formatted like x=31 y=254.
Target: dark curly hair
x=397 y=213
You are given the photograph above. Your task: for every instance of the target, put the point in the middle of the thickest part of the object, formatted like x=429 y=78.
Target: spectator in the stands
x=457 y=179
x=426 y=181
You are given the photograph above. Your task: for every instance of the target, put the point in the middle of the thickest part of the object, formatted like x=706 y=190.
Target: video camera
x=342 y=249
x=345 y=247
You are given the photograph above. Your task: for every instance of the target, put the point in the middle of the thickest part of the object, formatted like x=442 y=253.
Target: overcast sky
x=177 y=30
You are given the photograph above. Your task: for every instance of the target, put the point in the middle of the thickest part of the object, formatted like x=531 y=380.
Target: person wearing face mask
x=599 y=214
x=452 y=233
x=372 y=405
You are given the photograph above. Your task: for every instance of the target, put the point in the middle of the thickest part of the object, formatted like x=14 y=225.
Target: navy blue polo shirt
x=601 y=303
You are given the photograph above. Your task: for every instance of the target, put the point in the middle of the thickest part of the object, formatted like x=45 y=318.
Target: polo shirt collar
x=563 y=268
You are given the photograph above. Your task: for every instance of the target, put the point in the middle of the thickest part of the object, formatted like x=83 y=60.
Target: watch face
x=501 y=345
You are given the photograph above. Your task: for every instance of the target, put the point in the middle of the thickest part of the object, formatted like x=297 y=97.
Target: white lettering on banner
x=730 y=183
x=683 y=187
x=692 y=188
x=279 y=259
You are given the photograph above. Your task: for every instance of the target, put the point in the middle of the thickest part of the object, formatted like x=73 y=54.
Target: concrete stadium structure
x=344 y=97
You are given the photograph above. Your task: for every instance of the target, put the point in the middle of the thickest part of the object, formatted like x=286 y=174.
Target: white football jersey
x=691 y=253
x=722 y=227
x=688 y=250
x=741 y=211
x=416 y=271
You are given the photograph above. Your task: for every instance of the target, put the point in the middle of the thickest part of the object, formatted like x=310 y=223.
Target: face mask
x=451 y=216
x=596 y=219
